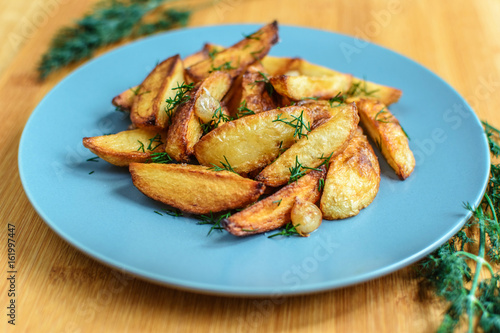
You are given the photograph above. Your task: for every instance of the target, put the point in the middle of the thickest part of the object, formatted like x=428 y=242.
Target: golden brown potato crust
x=352 y=180
x=236 y=58
x=250 y=142
x=274 y=211
x=126 y=147
x=384 y=129
x=194 y=188
x=328 y=139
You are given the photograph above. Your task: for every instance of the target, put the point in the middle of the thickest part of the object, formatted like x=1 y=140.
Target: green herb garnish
x=108 y=23
x=225 y=166
x=298 y=170
x=162 y=158
x=224 y=67
x=214 y=220
x=360 y=88
x=243 y=110
x=155 y=142
x=278 y=202
x=339 y=99
x=141 y=147
x=447 y=273
x=297 y=123
x=287 y=231
x=181 y=97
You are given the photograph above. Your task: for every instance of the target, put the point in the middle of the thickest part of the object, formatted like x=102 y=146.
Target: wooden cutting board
x=59 y=289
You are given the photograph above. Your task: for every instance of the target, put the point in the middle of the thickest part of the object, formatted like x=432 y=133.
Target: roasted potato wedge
x=148 y=109
x=352 y=180
x=252 y=142
x=274 y=211
x=300 y=87
x=194 y=188
x=126 y=147
x=255 y=96
x=278 y=65
x=206 y=52
x=384 y=129
x=325 y=141
x=125 y=100
x=186 y=129
x=236 y=58
x=210 y=94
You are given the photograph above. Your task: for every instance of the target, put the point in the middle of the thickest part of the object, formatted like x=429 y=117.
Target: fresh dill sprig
x=383 y=116
x=218 y=118
x=321 y=185
x=298 y=170
x=93 y=159
x=287 y=231
x=214 y=220
x=297 y=122
x=278 y=202
x=224 y=67
x=225 y=166
x=360 y=88
x=339 y=99
x=155 y=142
x=254 y=36
x=162 y=158
x=243 y=110
x=171 y=212
x=137 y=90
x=181 y=97
x=255 y=53
x=109 y=22
x=213 y=53
x=310 y=97
x=141 y=147
x=446 y=270
x=267 y=84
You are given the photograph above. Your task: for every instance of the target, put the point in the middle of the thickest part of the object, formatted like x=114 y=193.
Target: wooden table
x=59 y=289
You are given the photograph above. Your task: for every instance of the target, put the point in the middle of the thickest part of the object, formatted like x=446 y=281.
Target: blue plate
x=95 y=207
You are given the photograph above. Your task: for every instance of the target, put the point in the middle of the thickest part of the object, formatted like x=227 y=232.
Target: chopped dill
x=93 y=159
x=141 y=147
x=287 y=231
x=214 y=220
x=339 y=99
x=155 y=142
x=321 y=185
x=224 y=67
x=243 y=110
x=297 y=123
x=298 y=170
x=162 y=158
x=181 y=97
x=225 y=166
x=360 y=88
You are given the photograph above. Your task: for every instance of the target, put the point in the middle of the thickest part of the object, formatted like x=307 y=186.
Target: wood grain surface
x=59 y=289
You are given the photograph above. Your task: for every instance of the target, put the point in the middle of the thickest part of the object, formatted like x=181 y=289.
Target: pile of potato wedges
x=235 y=129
